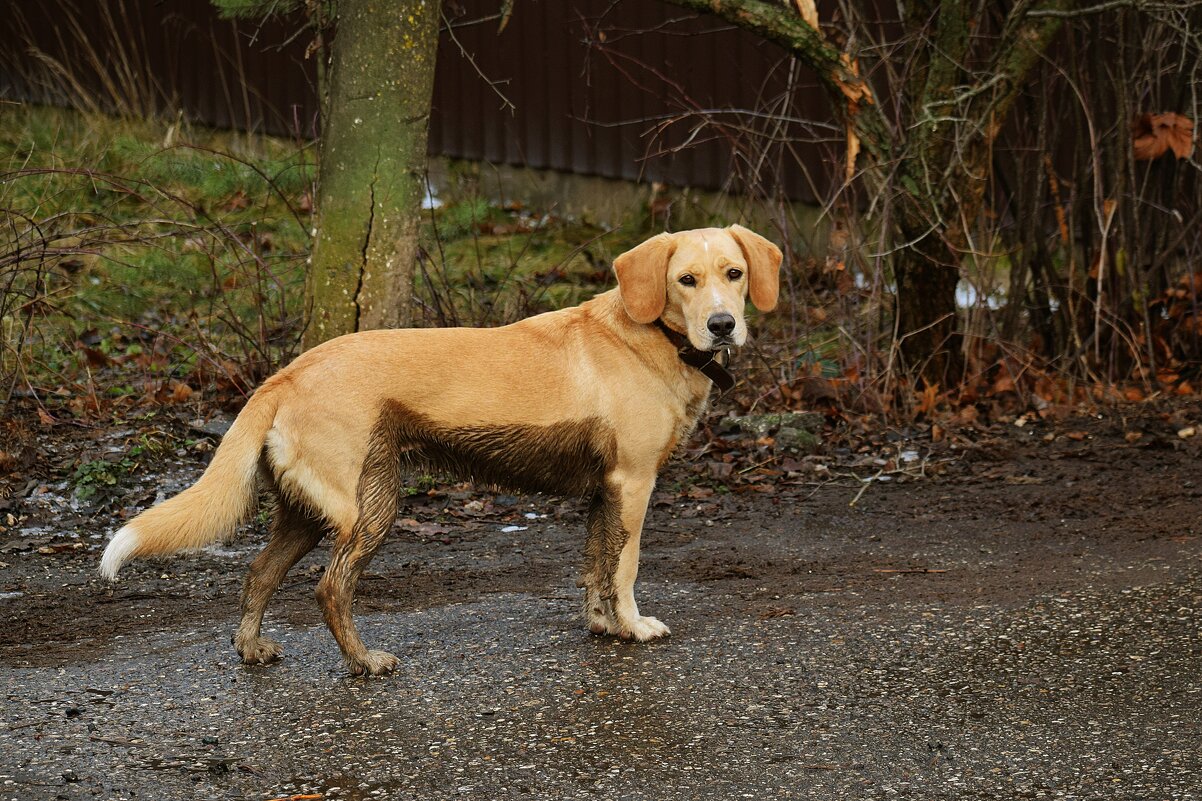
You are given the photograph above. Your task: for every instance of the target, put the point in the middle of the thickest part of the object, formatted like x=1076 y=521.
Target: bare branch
x=450 y=29
x=1111 y=5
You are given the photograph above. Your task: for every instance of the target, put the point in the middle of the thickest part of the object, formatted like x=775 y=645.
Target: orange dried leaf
x=928 y=398
x=1133 y=394
x=180 y=392
x=1167 y=377
x=966 y=416
x=1153 y=135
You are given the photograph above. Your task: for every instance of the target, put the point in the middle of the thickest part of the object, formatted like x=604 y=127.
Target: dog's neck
x=704 y=360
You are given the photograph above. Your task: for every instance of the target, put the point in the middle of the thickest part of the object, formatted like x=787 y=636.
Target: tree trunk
x=372 y=160
x=927 y=330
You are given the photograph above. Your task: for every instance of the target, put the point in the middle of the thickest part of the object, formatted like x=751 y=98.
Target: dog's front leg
x=615 y=525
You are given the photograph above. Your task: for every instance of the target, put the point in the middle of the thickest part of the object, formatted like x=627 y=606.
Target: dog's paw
x=374 y=663
x=259 y=651
x=642 y=629
x=600 y=615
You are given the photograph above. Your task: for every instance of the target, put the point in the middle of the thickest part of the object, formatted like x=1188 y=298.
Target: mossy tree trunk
x=371 y=168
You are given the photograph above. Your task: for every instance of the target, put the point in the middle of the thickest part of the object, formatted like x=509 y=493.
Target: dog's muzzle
x=721 y=327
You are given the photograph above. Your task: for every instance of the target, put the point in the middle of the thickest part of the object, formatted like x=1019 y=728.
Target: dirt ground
x=906 y=617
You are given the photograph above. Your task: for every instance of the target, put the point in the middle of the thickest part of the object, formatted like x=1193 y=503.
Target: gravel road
x=1026 y=626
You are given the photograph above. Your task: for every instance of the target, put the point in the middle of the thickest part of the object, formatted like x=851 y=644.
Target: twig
x=867 y=482
x=748 y=469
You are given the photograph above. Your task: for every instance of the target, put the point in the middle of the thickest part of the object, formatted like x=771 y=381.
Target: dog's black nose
x=721 y=324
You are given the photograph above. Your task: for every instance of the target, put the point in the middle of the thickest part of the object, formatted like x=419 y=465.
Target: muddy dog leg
x=377 y=496
x=615 y=526
x=336 y=594
x=606 y=536
x=294 y=533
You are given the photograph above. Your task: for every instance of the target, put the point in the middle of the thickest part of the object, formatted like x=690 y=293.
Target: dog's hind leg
x=336 y=593
x=615 y=526
x=377 y=497
x=294 y=533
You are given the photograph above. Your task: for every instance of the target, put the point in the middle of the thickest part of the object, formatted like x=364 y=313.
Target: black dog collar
x=704 y=360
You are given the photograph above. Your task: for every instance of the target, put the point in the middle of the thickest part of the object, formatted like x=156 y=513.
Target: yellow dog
x=590 y=400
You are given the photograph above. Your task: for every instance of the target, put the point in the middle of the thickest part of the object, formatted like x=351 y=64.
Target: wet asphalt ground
x=954 y=641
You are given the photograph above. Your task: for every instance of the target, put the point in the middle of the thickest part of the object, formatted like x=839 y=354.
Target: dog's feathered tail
x=212 y=507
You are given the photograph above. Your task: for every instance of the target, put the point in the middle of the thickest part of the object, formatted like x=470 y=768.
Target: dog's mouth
x=734 y=339
x=709 y=341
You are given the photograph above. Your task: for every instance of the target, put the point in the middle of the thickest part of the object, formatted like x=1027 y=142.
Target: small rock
x=796 y=431
x=795 y=439
x=216 y=427
x=1187 y=432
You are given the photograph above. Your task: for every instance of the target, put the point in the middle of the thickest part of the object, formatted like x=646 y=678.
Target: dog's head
x=697 y=282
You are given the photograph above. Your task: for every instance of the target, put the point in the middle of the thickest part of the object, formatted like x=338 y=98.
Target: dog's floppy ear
x=642 y=275
x=763 y=266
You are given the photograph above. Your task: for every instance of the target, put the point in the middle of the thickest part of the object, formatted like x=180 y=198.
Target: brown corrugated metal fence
x=588 y=86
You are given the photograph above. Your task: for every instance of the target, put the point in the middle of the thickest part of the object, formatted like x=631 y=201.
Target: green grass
x=139 y=250
x=495 y=265
x=126 y=227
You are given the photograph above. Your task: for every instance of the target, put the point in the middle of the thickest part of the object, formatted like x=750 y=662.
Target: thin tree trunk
x=927 y=271
x=372 y=159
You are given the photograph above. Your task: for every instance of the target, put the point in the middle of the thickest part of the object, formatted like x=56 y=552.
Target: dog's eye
x=734 y=275
x=688 y=280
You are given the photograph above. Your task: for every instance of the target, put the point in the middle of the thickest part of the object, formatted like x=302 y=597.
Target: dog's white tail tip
x=118 y=552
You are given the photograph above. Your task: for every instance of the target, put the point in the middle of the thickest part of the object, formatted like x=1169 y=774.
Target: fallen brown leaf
x=1153 y=135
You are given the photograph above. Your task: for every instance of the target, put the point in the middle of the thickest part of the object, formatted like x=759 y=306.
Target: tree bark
x=371 y=168
x=927 y=273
